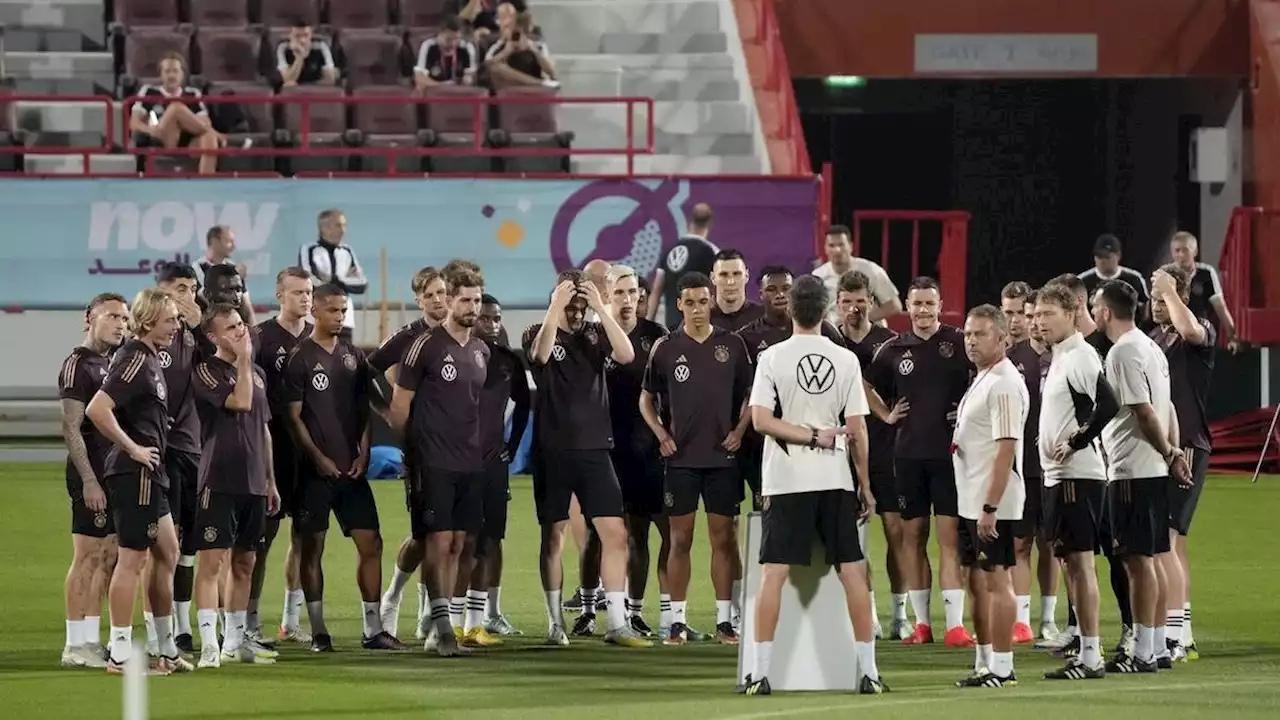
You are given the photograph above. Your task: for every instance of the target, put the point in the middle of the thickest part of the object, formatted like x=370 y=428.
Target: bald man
x=692 y=253
x=597 y=271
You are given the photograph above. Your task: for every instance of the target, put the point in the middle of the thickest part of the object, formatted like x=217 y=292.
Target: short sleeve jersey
x=135 y=382
x=80 y=378
x=447 y=379
x=1205 y=286
x=702 y=386
x=692 y=253
x=273 y=348
x=879 y=434
x=446 y=66
x=625 y=383
x=504 y=381
x=319 y=58
x=931 y=375
x=881 y=286
x=813 y=383
x=1134 y=279
x=392 y=349
x=760 y=334
x=572 y=405
x=333 y=388
x=1067 y=401
x=1139 y=374
x=1190 y=373
x=994 y=409
x=234 y=457
x=748 y=313
x=150 y=104
x=177 y=361
x=1029 y=363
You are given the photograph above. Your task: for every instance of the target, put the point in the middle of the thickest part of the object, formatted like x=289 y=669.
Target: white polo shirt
x=1066 y=401
x=995 y=408
x=815 y=382
x=1139 y=374
x=879 y=285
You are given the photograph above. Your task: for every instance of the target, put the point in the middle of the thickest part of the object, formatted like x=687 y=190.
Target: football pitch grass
x=1237 y=627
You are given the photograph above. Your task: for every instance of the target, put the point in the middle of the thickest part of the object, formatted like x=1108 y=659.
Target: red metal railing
x=778 y=80
x=11 y=103
x=952 y=260
x=1242 y=266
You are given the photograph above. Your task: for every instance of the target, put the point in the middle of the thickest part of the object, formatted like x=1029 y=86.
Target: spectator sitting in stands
x=486 y=19
x=175 y=124
x=446 y=59
x=519 y=59
x=304 y=60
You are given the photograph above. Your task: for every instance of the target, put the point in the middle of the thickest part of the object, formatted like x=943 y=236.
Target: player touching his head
x=987 y=454
x=807 y=482
x=700 y=375
x=93 y=531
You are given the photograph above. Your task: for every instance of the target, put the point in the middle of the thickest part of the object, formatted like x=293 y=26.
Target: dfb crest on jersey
x=815 y=374
x=257 y=382
x=591 y=336
x=479 y=359
x=449 y=372
x=349 y=362
x=722 y=353
x=946 y=349
x=320 y=381
x=165 y=358
x=906 y=366
x=646 y=344
x=557 y=352
x=210 y=534
x=677 y=258
x=162 y=392
x=681 y=373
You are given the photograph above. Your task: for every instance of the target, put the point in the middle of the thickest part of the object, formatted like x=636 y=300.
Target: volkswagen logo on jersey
x=557 y=352
x=815 y=374
x=449 y=373
x=677 y=257
x=165 y=358
x=681 y=373
x=320 y=382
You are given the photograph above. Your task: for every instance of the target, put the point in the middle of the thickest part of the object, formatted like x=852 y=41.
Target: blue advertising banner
x=61 y=241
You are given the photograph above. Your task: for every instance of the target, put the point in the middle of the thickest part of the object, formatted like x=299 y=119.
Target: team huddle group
x=1051 y=421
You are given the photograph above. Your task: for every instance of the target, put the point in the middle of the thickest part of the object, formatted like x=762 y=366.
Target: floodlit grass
x=1237 y=621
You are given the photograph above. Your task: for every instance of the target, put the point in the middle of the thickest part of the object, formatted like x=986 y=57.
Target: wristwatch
x=989 y=509
x=813 y=439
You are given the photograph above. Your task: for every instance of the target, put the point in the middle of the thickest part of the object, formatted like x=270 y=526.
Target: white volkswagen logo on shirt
x=557 y=352
x=449 y=373
x=681 y=373
x=320 y=382
x=165 y=358
x=677 y=258
x=815 y=374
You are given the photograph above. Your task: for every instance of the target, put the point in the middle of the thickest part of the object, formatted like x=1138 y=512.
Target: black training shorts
x=1075 y=512
x=720 y=490
x=349 y=499
x=1183 y=501
x=1140 y=516
x=924 y=485
x=586 y=474
x=987 y=555
x=230 y=520
x=793 y=522
x=137 y=501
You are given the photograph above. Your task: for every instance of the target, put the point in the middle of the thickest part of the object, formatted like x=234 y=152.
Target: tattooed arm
x=78 y=452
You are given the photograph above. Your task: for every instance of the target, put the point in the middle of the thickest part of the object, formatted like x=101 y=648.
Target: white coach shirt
x=1067 y=399
x=1138 y=373
x=879 y=285
x=335 y=263
x=815 y=382
x=995 y=408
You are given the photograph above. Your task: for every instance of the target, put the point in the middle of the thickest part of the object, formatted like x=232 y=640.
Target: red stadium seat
x=283 y=13
x=146 y=13
x=358 y=14
x=219 y=13
x=391 y=124
x=528 y=118
x=456 y=117
x=328 y=120
x=372 y=58
x=423 y=13
x=255 y=127
x=144 y=48
x=227 y=55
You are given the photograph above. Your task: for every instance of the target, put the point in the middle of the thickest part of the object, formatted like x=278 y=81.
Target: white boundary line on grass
x=1013 y=694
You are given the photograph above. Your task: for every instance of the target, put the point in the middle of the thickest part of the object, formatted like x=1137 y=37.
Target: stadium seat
x=283 y=13
x=453 y=126
x=417 y=14
x=143 y=50
x=227 y=55
x=219 y=13
x=358 y=14
x=390 y=124
x=251 y=123
x=531 y=125
x=147 y=13
x=328 y=126
x=372 y=57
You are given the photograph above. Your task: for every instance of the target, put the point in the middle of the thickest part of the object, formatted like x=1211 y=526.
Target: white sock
x=1173 y=625
x=1158 y=635
x=493 y=607
x=724 y=611
x=208 y=621
x=182 y=617
x=899 y=607
x=1024 y=609
x=735 y=600
x=1090 y=651
x=121 y=644
x=920 y=605
x=678 y=608
x=1144 y=648
x=92 y=629
x=764 y=653
x=875 y=614
x=555 y=614
x=73 y=634
x=372 y=618
x=664 y=611
x=395 y=591
x=424 y=604
x=164 y=636
x=982 y=657
x=251 y=623
x=149 y=620
x=953 y=606
x=440 y=620
x=457 y=610
x=315 y=612
x=866 y=654
x=1002 y=664
x=293 y=601
x=1048 y=608
x=616 y=608
x=233 y=636
x=1187 y=637
x=477 y=600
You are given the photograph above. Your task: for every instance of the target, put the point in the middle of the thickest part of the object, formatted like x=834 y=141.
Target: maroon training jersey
x=932 y=375
x=571 y=409
x=1190 y=372
x=747 y=314
x=81 y=377
x=394 y=347
x=234 y=452
x=761 y=334
x=625 y=381
x=135 y=381
x=1032 y=365
x=880 y=436
x=333 y=388
x=447 y=379
x=273 y=347
x=505 y=380
x=702 y=386
x=177 y=360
